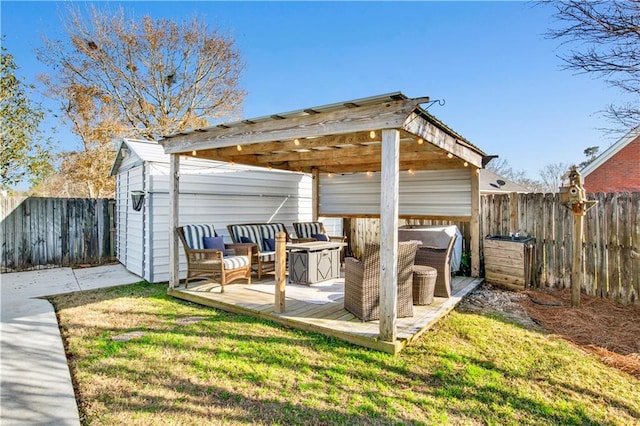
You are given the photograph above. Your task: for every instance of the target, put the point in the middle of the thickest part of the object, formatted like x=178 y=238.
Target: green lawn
x=233 y=369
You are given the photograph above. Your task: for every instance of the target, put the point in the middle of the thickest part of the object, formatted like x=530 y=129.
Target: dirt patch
x=600 y=326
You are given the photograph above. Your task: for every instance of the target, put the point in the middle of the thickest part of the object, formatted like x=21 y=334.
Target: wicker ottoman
x=424 y=284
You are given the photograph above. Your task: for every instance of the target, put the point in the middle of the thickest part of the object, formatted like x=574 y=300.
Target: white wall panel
x=424 y=193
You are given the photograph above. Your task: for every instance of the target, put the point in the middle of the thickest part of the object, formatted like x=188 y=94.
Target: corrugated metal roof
x=491 y=182
x=371 y=100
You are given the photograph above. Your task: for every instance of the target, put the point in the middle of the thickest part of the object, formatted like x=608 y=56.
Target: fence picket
x=42 y=232
x=611 y=243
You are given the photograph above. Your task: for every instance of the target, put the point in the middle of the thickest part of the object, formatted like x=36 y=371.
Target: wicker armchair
x=439 y=258
x=231 y=264
x=362 y=282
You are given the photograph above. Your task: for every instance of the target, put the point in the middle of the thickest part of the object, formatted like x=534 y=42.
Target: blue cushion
x=194 y=234
x=320 y=237
x=270 y=244
x=215 y=243
x=244 y=239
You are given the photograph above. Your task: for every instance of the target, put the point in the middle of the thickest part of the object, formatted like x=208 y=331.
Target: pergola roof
x=337 y=138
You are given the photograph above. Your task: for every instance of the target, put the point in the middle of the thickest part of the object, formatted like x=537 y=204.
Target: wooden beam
x=389 y=207
x=315 y=194
x=289 y=145
x=349 y=120
x=174 y=214
x=474 y=226
x=419 y=126
x=281 y=272
x=340 y=166
x=352 y=153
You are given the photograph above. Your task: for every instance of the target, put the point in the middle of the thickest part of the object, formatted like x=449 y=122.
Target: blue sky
x=500 y=78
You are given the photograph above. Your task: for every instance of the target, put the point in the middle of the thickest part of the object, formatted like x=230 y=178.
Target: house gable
x=618 y=168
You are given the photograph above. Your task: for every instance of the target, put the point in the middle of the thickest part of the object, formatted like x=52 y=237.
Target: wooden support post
x=513 y=212
x=577 y=261
x=474 y=225
x=281 y=271
x=174 y=201
x=389 y=206
x=315 y=194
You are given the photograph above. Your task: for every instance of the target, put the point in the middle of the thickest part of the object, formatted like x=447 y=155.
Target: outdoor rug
x=318 y=293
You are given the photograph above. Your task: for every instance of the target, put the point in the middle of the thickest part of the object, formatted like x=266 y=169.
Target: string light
x=369 y=173
x=372 y=134
x=233 y=163
x=420 y=141
x=296 y=142
x=270 y=167
x=193 y=153
x=449 y=155
x=466 y=164
x=330 y=175
x=411 y=171
x=239 y=147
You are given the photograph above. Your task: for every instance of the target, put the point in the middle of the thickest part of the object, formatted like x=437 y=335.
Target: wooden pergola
x=388 y=133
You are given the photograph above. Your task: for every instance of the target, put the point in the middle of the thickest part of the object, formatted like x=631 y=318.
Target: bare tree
x=144 y=78
x=501 y=166
x=606 y=36
x=551 y=176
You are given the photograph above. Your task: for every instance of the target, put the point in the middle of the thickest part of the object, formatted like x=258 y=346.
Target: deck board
x=331 y=318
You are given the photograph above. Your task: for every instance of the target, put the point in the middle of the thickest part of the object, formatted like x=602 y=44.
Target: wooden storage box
x=507 y=261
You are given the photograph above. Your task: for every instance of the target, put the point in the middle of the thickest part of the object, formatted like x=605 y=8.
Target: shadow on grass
x=372 y=387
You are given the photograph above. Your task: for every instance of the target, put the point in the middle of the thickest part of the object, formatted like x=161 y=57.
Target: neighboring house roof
x=611 y=151
x=496 y=184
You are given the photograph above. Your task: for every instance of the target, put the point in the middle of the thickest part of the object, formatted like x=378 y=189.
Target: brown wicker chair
x=439 y=258
x=203 y=263
x=362 y=282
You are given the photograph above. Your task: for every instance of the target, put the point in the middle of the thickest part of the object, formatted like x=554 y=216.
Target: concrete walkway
x=35 y=383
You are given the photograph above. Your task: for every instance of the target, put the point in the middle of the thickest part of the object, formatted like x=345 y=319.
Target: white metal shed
x=210 y=192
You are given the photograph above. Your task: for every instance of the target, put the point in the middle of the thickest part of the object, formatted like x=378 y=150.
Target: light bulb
x=330 y=174
x=420 y=141
x=449 y=155
x=410 y=171
x=193 y=153
x=466 y=164
x=372 y=134
x=233 y=163
x=296 y=142
x=239 y=147
x=369 y=173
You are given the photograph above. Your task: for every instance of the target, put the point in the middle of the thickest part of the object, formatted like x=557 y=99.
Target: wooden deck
x=331 y=318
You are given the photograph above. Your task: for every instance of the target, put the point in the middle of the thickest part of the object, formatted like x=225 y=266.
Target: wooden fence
x=45 y=232
x=611 y=244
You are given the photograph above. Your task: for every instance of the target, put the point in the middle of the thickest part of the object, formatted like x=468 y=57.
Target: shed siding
x=423 y=193
x=221 y=199
x=129 y=225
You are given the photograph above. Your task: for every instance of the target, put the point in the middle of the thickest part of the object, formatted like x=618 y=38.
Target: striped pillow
x=307 y=229
x=251 y=232
x=269 y=231
x=194 y=235
x=234 y=262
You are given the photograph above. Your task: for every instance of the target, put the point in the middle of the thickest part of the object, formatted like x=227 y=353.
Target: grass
x=224 y=368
